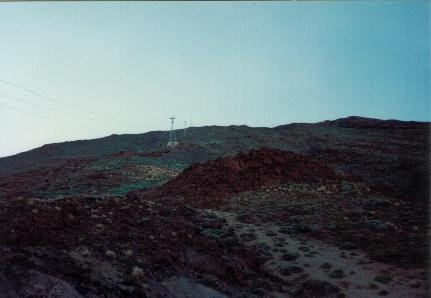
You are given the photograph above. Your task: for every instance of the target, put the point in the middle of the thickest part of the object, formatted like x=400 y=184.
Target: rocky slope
x=332 y=209
x=389 y=155
x=209 y=184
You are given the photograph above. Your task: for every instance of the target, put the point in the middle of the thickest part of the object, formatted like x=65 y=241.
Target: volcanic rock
x=110 y=254
x=137 y=272
x=316 y=288
x=211 y=183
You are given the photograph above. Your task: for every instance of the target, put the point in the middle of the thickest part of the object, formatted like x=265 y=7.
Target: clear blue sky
x=254 y=63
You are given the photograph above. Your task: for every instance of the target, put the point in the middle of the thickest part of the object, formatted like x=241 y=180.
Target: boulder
x=316 y=288
x=376 y=225
x=110 y=254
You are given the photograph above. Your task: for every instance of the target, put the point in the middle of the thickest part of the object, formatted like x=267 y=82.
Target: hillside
x=390 y=155
x=330 y=209
x=211 y=184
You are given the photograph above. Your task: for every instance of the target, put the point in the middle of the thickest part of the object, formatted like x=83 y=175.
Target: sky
x=75 y=70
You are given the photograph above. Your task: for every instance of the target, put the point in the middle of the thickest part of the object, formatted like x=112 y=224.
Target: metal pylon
x=172 y=136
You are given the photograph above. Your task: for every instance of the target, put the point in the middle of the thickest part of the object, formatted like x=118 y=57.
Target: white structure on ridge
x=172 y=137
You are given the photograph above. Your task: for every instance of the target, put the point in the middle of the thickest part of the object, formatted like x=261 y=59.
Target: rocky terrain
x=332 y=209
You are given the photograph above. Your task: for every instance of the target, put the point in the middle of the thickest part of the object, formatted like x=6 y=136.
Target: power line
x=44 y=107
x=36 y=115
x=54 y=99
x=59 y=111
x=107 y=118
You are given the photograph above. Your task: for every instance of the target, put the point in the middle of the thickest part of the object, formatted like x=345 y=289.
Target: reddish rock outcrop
x=209 y=184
